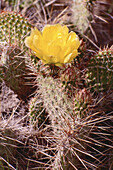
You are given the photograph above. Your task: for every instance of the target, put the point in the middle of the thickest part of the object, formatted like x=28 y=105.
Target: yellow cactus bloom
x=54 y=45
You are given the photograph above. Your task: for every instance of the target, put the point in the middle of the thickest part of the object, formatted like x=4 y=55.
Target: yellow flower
x=54 y=45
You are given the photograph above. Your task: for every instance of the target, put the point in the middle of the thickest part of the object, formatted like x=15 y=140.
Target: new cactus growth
x=100 y=71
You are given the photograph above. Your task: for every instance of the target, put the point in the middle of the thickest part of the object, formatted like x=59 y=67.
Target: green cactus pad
x=13 y=28
x=100 y=71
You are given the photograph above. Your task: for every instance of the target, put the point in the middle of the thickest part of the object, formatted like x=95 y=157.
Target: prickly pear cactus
x=13 y=63
x=60 y=111
x=13 y=28
x=54 y=99
x=100 y=71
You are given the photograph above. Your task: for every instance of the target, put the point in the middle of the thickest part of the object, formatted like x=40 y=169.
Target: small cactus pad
x=100 y=71
x=13 y=28
x=82 y=102
x=37 y=111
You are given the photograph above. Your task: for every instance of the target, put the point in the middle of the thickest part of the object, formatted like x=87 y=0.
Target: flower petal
x=37 y=42
x=73 y=40
x=35 y=31
x=50 y=32
x=70 y=57
x=29 y=43
x=53 y=54
x=65 y=31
